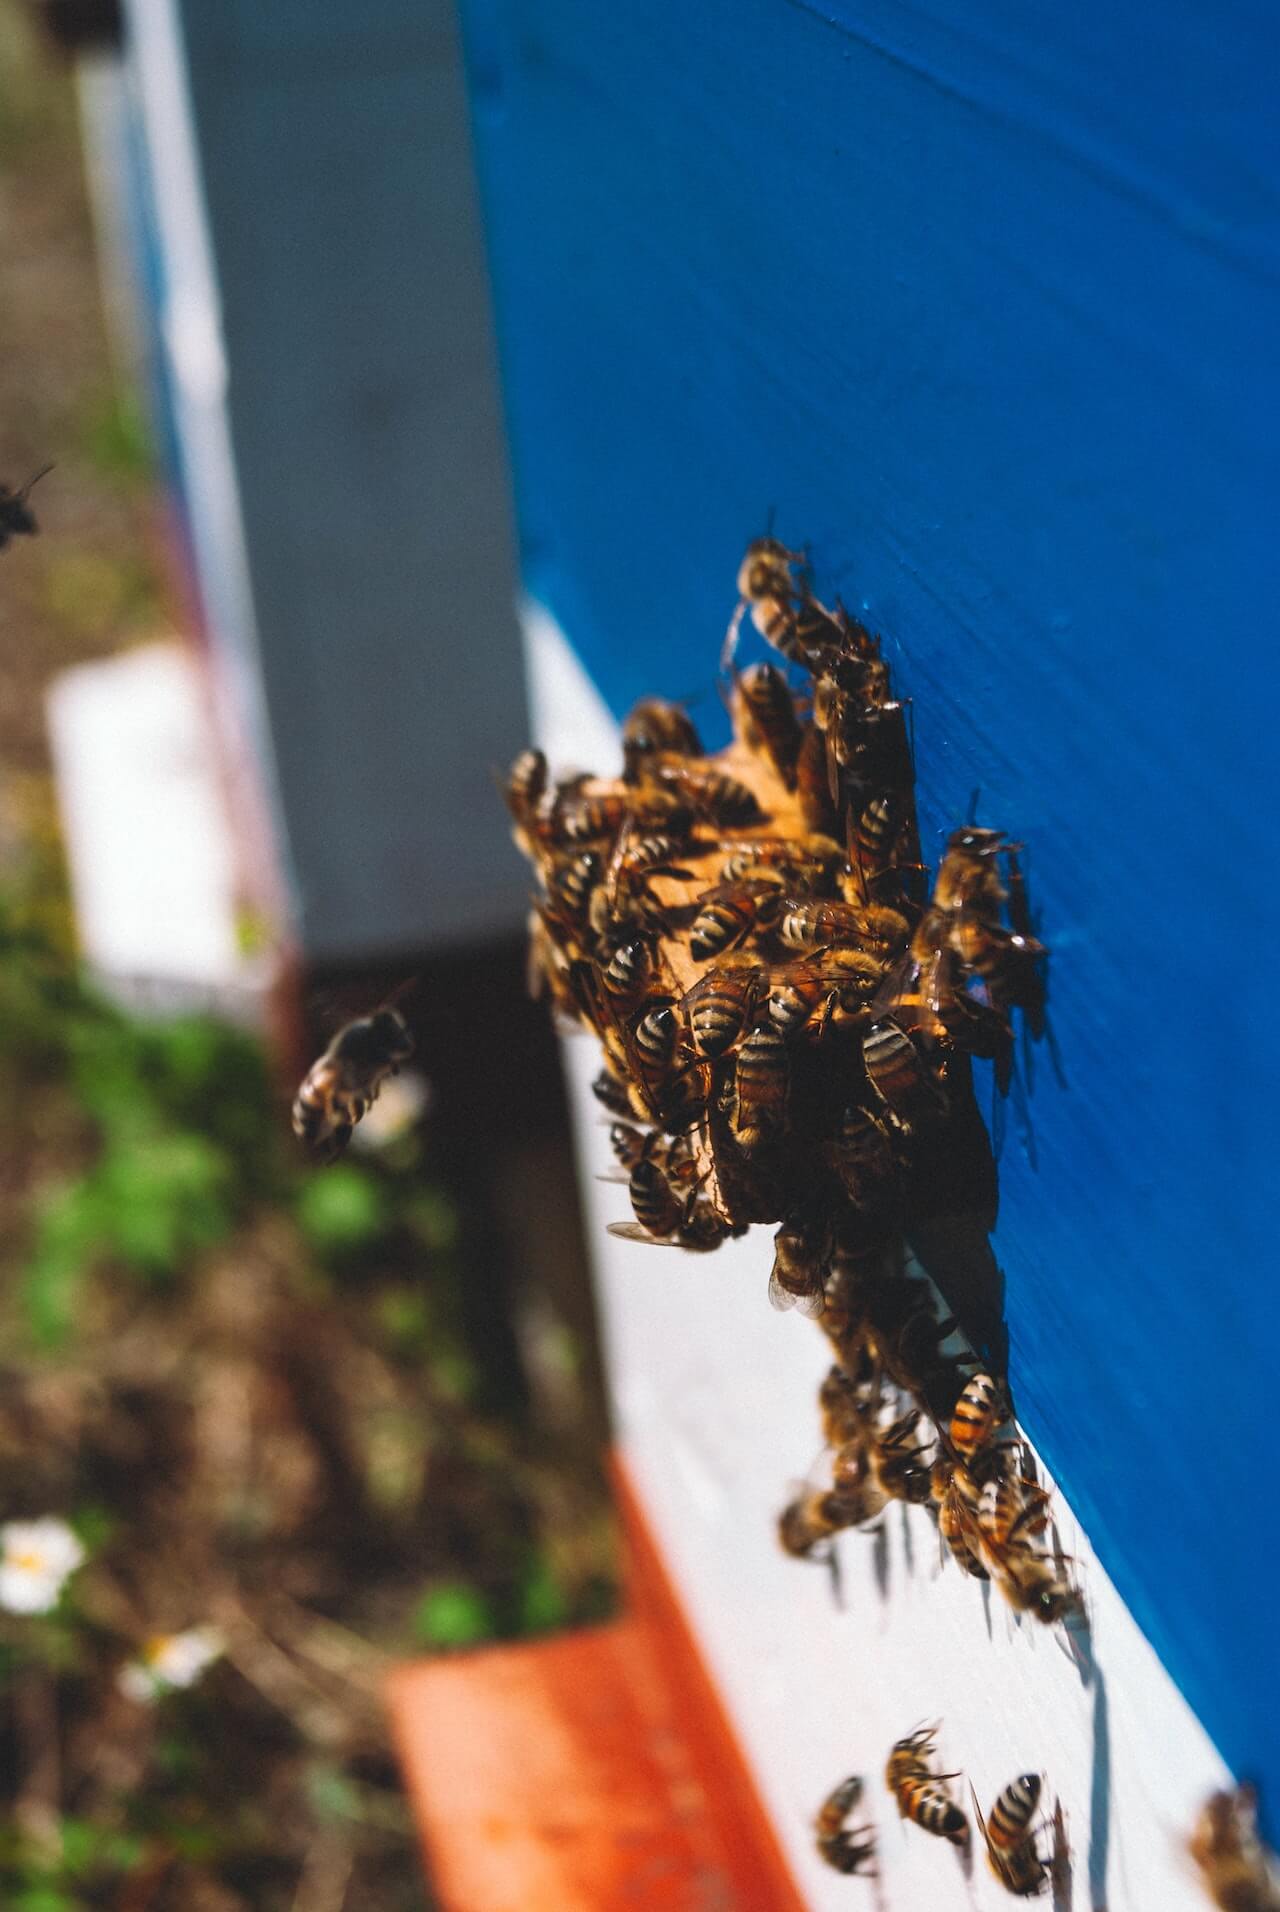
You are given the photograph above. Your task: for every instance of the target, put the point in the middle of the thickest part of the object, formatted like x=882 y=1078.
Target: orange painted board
x=553 y=1778
x=709 y=1738
x=591 y=1772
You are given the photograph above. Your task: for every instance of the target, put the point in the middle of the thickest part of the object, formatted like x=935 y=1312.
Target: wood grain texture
x=984 y=307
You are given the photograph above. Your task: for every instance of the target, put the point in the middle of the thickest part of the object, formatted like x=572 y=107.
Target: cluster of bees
x=978 y=1481
x=787 y=1012
x=922 y=1796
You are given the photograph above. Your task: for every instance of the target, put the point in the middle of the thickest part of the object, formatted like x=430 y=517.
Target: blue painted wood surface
x=983 y=303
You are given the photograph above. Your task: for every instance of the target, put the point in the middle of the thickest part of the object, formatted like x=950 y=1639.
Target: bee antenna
x=974 y=798
x=32 y=482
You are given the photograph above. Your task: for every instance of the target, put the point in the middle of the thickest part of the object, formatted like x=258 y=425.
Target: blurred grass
x=245 y=1383
x=249 y=1386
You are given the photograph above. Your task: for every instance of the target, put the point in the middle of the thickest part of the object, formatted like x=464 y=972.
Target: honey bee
x=704 y=1228
x=671 y=1086
x=836 y=986
x=798 y=1277
x=1030 y=1581
x=875 y=834
x=911 y=1094
x=1239 y=1874
x=1012 y=1512
x=612 y=1093
x=969 y=873
x=657 y=1208
x=975 y=1417
x=636 y=857
x=637 y=1079
x=569 y=814
x=820 y=1513
x=864 y=727
x=627 y=975
x=812 y=794
x=720 y=1005
x=921 y=1795
x=729 y=913
x=672 y=1154
x=665 y=1217
x=574 y=886
x=782 y=608
x=16 y=516
x=844 y=1403
x=809 y=859
x=1009 y=965
x=655 y=726
x=895 y=1459
x=956 y=1524
x=762 y=1088
x=339 y=1089
x=708 y=792
x=848 y=1848
x=862 y=1157
x=806 y=855
x=629 y=1144
x=1010 y=1837
x=799 y=993
x=768 y=718
x=526 y=783
x=656 y=1034
x=819 y=925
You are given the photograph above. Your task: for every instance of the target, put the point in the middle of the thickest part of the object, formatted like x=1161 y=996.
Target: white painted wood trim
x=715 y=1399
x=190 y=322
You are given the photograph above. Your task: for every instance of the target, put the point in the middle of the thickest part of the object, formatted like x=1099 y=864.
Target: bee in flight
x=847 y=1848
x=16 y=516
x=1010 y=1837
x=340 y=1088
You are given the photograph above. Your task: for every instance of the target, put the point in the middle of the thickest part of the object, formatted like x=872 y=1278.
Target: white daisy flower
x=168 y=1661
x=37 y=1557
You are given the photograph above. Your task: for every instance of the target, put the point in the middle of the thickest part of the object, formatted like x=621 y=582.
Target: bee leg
x=1055 y=1055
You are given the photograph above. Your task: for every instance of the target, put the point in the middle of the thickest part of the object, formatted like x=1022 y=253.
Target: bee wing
x=729 y=649
x=853 y=852
x=982 y=1824
x=833 y=766
x=898 y=982
x=937 y=979
x=783 y=1298
x=632 y=1231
